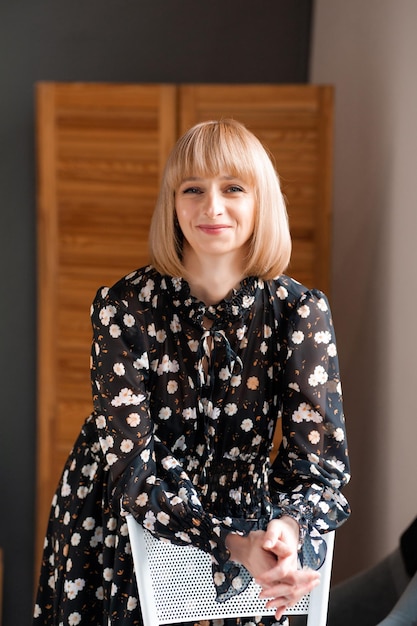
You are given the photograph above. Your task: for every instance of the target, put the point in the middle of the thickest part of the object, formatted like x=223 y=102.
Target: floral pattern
x=186 y=401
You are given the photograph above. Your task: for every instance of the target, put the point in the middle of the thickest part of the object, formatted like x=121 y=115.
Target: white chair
x=175 y=585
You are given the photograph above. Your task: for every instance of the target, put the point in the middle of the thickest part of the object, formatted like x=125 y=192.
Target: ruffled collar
x=230 y=309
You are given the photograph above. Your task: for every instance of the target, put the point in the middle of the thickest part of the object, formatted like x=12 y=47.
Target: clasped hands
x=270 y=556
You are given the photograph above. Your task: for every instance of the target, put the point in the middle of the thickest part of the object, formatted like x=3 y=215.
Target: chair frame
x=151 y=555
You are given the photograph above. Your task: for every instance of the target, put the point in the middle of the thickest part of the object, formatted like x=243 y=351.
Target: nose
x=214 y=204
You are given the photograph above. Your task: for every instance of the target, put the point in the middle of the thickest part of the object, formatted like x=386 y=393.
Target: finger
x=281 y=608
x=287 y=594
x=273 y=534
x=298 y=580
x=280 y=611
x=278 y=547
x=282 y=573
x=278 y=603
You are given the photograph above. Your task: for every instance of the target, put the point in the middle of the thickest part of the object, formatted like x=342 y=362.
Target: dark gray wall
x=97 y=40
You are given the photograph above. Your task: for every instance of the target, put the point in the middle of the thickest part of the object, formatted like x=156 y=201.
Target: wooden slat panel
x=47 y=302
x=101 y=152
x=295 y=123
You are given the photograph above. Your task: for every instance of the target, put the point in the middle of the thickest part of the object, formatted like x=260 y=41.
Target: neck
x=212 y=292
x=213 y=280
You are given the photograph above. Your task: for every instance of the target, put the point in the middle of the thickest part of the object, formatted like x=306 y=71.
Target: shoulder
x=142 y=283
x=140 y=286
x=133 y=297
x=293 y=293
x=298 y=307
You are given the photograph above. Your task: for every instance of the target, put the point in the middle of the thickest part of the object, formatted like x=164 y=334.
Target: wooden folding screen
x=101 y=150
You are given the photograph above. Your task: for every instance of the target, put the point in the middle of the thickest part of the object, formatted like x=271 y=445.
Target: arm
x=144 y=477
x=312 y=464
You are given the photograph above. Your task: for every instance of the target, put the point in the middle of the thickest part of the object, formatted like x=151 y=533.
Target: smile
x=213 y=229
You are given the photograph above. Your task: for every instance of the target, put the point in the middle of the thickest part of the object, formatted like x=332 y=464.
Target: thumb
x=273 y=542
x=272 y=535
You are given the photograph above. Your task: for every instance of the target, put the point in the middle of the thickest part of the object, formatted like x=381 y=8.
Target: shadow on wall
x=363 y=172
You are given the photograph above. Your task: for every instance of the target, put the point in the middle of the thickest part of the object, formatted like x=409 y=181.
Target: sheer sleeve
x=146 y=479
x=312 y=464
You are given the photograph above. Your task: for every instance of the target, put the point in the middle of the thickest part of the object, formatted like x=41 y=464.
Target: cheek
x=180 y=219
x=250 y=219
x=183 y=220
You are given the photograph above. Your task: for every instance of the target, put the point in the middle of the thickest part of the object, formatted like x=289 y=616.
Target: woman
x=195 y=360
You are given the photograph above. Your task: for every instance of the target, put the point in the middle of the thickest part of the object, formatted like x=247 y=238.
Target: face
x=216 y=215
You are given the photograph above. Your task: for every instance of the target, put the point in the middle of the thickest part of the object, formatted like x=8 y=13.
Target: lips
x=213 y=229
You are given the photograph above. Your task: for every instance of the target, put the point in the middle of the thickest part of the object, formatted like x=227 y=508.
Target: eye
x=191 y=190
x=234 y=189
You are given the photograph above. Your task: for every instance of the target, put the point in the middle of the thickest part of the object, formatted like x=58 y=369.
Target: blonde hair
x=208 y=149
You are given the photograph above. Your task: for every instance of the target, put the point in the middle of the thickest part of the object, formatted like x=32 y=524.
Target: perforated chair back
x=175 y=584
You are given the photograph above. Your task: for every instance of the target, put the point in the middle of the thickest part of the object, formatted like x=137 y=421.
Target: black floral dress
x=184 y=415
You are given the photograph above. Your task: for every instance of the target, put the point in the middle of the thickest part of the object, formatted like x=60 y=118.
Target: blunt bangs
x=212 y=148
